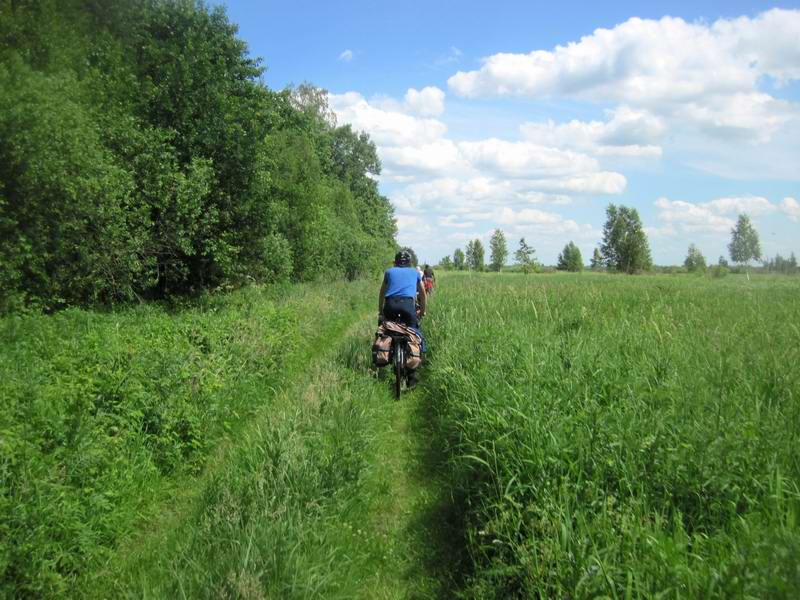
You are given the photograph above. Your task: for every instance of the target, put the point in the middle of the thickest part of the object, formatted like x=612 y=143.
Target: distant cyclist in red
x=428 y=278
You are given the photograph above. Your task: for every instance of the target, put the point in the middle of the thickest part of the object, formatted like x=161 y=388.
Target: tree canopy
x=498 y=250
x=459 y=259
x=779 y=264
x=142 y=156
x=625 y=247
x=570 y=258
x=695 y=261
x=597 y=260
x=524 y=256
x=744 y=245
x=475 y=255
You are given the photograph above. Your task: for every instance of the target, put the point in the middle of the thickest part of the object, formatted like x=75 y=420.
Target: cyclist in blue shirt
x=402 y=287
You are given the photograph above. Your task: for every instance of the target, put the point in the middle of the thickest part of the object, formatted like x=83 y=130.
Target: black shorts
x=402 y=310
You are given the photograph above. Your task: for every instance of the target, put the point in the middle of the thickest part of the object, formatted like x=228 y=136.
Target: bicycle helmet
x=402 y=258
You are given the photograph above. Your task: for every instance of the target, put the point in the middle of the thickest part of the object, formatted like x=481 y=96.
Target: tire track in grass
x=157 y=563
x=333 y=492
x=414 y=520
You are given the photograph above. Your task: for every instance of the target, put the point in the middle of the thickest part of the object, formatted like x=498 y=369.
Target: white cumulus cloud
x=437 y=156
x=717 y=216
x=752 y=205
x=429 y=101
x=346 y=56
x=524 y=159
x=791 y=208
x=385 y=127
x=695 y=74
x=627 y=133
x=414 y=146
x=691 y=218
x=603 y=182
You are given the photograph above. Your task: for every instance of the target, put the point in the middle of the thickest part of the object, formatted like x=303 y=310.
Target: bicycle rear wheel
x=399 y=366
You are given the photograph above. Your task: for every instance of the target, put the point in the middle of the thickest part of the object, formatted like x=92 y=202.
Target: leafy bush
x=570 y=258
x=103 y=412
x=142 y=157
x=718 y=271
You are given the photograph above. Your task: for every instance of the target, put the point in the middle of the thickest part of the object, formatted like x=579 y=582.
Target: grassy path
x=411 y=513
x=331 y=492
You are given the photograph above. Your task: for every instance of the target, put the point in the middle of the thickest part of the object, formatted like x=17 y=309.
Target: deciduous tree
x=570 y=258
x=475 y=255
x=624 y=248
x=459 y=260
x=525 y=256
x=695 y=261
x=498 y=250
x=142 y=156
x=597 y=260
x=744 y=245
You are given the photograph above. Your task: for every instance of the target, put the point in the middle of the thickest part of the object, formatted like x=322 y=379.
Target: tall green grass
x=107 y=419
x=320 y=498
x=622 y=437
x=283 y=516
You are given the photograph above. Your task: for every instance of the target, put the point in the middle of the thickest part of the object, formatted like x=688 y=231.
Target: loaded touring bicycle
x=400 y=346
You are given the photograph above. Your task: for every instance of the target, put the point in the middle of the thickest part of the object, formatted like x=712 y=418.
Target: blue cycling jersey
x=401 y=282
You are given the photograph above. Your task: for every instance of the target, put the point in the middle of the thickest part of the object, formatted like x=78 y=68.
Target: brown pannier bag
x=414 y=356
x=381 y=347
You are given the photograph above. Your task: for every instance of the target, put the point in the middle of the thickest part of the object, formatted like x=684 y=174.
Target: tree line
x=624 y=249
x=142 y=156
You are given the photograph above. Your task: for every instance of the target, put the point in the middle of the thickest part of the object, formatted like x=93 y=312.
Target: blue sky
x=534 y=116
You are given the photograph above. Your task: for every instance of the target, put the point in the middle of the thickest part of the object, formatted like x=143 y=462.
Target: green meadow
x=573 y=436
x=622 y=436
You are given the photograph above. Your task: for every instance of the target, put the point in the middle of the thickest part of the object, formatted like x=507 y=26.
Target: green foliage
x=141 y=156
x=625 y=248
x=103 y=413
x=69 y=226
x=719 y=271
x=474 y=256
x=695 y=261
x=597 y=260
x=780 y=264
x=621 y=438
x=446 y=263
x=525 y=256
x=459 y=259
x=570 y=259
x=744 y=245
x=498 y=250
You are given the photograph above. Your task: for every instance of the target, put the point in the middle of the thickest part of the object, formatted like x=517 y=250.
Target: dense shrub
x=141 y=156
x=103 y=412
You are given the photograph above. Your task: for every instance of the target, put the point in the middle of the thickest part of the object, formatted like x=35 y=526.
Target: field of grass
x=574 y=436
x=110 y=421
x=622 y=436
x=328 y=495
